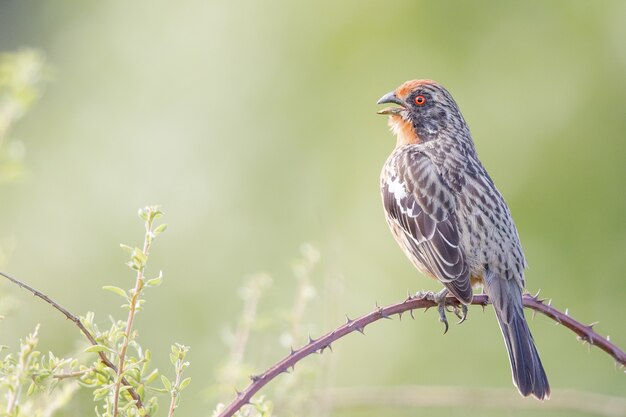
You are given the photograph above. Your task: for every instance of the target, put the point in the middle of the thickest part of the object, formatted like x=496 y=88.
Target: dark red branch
x=82 y=328
x=586 y=333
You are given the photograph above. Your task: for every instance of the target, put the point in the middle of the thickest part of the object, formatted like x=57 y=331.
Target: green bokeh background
x=253 y=124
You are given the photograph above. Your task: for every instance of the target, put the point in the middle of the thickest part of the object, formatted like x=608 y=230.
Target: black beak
x=391 y=98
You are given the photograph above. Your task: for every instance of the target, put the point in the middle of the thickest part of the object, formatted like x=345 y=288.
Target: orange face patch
x=405 y=89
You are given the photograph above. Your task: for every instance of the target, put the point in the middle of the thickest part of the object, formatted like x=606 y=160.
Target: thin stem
x=75 y=374
x=412 y=303
x=174 y=396
x=132 y=310
x=251 y=300
x=82 y=328
x=28 y=345
x=174 y=392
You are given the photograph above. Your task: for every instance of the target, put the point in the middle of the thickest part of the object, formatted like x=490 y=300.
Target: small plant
x=121 y=377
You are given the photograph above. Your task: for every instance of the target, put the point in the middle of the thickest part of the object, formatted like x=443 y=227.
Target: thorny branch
x=83 y=329
x=585 y=333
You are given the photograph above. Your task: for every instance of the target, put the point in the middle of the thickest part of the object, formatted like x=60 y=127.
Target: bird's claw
x=440 y=299
x=441 y=308
x=463 y=315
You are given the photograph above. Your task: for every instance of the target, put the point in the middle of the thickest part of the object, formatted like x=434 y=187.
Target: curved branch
x=585 y=332
x=83 y=329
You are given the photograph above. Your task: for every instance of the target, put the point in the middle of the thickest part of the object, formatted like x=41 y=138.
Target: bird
x=451 y=221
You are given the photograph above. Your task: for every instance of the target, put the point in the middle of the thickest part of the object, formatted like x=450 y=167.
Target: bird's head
x=426 y=110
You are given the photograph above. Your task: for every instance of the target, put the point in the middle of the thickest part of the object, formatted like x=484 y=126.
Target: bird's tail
x=528 y=374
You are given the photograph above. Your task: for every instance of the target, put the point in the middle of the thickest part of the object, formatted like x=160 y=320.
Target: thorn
x=550 y=302
x=590 y=326
x=255 y=378
x=348 y=320
x=361 y=330
x=409 y=296
x=377 y=306
x=567 y=311
x=608 y=338
x=330 y=347
x=536 y=296
x=534 y=313
x=238 y=392
x=400 y=315
x=311 y=340
x=292 y=351
x=412 y=316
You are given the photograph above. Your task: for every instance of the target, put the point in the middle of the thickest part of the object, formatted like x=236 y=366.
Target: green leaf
x=159 y=229
x=184 y=383
x=116 y=290
x=100 y=393
x=152 y=376
x=126 y=248
x=166 y=383
x=154 y=282
x=98 y=348
x=139 y=256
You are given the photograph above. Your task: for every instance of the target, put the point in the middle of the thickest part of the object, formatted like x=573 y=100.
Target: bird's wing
x=422 y=206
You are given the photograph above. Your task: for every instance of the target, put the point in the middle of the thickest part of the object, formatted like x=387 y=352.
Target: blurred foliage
x=28 y=382
x=254 y=124
x=295 y=393
x=22 y=75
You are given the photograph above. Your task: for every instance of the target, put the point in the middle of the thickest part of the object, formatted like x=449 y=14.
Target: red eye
x=420 y=100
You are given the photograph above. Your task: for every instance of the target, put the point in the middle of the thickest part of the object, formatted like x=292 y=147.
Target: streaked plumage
x=450 y=220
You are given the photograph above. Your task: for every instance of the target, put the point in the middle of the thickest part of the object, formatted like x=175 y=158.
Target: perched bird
x=450 y=220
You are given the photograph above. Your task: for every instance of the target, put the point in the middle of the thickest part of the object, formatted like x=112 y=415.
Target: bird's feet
x=440 y=299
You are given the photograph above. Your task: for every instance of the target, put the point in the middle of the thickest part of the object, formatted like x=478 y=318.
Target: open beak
x=391 y=98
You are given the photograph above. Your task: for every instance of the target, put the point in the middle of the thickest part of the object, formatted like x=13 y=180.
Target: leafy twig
x=138 y=262
x=23 y=363
x=75 y=374
x=533 y=302
x=177 y=358
x=82 y=328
